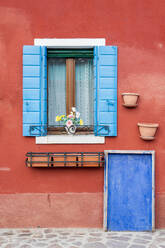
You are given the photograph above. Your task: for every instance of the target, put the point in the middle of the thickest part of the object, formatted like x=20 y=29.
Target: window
x=104 y=99
x=70 y=84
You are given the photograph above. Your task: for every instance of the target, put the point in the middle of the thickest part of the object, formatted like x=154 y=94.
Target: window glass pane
x=84 y=89
x=56 y=89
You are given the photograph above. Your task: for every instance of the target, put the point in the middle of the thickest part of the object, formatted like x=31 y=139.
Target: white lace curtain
x=56 y=89
x=83 y=89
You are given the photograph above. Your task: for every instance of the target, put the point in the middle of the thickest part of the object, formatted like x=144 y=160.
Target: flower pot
x=60 y=160
x=38 y=161
x=147 y=130
x=130 y=99
x=92 y=160
x=71 y=129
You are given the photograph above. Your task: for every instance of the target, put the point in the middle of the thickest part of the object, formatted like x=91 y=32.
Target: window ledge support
x=70 y=139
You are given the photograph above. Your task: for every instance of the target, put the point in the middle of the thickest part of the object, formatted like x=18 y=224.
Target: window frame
x=70 y=57
x=70 y=43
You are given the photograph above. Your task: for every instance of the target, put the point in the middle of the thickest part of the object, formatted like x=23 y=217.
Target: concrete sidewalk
x=77 y=238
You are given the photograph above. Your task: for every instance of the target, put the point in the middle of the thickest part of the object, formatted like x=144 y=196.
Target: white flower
x=77 y=114
x=73 y=109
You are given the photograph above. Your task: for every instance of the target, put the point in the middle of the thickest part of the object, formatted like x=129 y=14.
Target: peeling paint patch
x=4 y=169
x=160 y=45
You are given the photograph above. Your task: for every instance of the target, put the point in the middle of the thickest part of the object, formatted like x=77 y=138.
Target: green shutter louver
x=70 y=53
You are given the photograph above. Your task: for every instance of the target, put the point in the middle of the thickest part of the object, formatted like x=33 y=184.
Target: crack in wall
x=49 y=201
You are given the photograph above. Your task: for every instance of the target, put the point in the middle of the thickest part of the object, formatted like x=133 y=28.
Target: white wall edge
x=70 y=139
x=70 y=43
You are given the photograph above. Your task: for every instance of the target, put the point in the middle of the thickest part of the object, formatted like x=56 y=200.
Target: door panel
x=129 y=200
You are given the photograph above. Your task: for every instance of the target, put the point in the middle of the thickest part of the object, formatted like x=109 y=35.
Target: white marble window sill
x=70 y=139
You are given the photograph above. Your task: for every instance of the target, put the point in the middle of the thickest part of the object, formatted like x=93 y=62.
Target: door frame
x=106 y=172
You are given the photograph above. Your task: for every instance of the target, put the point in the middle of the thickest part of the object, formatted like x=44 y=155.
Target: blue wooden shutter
x=34 y=91
x=105 y=105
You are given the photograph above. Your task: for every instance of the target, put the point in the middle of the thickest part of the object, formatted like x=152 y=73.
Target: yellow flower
x=81 y=122
x=57 y=118
x=62 y=116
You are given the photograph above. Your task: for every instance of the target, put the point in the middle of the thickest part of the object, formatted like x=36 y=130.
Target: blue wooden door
x=129 y=195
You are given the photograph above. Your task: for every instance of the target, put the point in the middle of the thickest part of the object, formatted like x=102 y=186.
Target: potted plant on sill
x=70 y=121
x=130 y=100
x=148 y=130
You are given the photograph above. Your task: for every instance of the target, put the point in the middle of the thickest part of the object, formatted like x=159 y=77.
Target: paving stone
x=38 y=235
x=42 y=239
x=2 y=239
x=12 y=244
x=93 y=239
x=120 y=238
x=55 y=246
x=137 y=246
x=94 y=245
x=73 y=247
x=146 y=237
x=18 y=239
x=64 y=233
x=71 y=238
x=161 y=239
x=114 y=236
x=113 y=233
x=53 y=240
x=49 y=230
x=26 y=231
x=25 y=246
x=76 y=236
x=154 y=246
x=8 y=246
x=81 y=233
x=40 y=245
x=63 y=237
x=25 y=234
x=8 y=233
x=141 y=241
x=116 y=244
x=2 y=243
x=130 y=234
x=96 y=234
x=31 y=241
x=77 y=243
x=49 y=236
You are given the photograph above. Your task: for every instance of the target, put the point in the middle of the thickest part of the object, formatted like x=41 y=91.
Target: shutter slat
x=105 y=71
x=34 y=91
x=70 y=53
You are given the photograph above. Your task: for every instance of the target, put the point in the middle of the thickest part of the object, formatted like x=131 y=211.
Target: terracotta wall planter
x=71 y=160
x=147 y=130
x=83 y=159
x=38 y=161
x=130 y=100
x=92 y=161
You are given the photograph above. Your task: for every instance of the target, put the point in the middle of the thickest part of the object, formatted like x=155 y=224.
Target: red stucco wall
x=137 y=28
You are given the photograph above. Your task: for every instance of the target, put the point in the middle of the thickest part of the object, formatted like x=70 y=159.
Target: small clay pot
x=71 y=129
x=130 y=99
x=38 y=161
x=147 y=130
